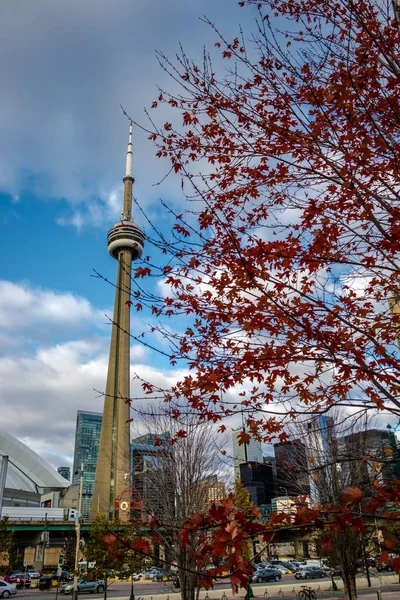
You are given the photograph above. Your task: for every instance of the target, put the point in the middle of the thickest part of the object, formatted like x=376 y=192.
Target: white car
x=283 y=570
x=7 y=589
x=33 y=574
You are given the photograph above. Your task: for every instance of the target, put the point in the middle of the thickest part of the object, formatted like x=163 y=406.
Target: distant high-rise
x=112 y=493
x=208 y=491
x=258 y=479
x=244 y=452
x=148 y=460
x=292 y=468
x=379 y=447
x=87 y=439
x=65 y=472
x=320 y=444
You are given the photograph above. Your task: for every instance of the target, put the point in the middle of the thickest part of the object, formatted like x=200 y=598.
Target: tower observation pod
x=111 y=493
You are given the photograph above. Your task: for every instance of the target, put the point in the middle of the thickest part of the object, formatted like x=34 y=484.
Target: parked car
x=283 y=570
x=148 y=573
x=7 y=589
x=20 y=580
x=137 y=576
x=45 y=582
x=266 y=575
x=291 y=566
x=33 y=574
x=85 y=586
x=384 y=566
x=310 y=573
x=160 y=575
x=63 y=577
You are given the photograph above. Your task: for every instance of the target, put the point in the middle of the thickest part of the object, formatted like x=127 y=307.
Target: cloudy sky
x=66 y=68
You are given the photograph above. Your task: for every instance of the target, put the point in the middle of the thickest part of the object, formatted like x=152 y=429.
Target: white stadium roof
x=27 y=471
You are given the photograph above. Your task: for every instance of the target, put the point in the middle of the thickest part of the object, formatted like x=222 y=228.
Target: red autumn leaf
x=384 y=557
x=184 y=538
x=351 y=495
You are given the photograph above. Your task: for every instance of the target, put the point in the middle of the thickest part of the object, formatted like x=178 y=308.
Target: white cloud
x=42 y=382
x=23 y=307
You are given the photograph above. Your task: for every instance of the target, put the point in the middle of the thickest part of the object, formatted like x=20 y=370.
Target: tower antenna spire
x=129 y=154
x=128 y=180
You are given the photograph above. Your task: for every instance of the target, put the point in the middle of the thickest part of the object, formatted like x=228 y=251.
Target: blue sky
x=63 y=140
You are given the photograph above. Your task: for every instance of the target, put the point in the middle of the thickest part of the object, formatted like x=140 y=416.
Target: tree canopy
x=283 y=264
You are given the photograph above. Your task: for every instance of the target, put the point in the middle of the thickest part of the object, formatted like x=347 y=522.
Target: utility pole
x=3 y=477
x=78 y=536
x=44 y=540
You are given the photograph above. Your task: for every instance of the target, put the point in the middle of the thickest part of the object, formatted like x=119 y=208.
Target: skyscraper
x=258 y=479
x=112 y=490
x=65 y=472
x=151 y=467
x=244 y=452
x=207 y=492
x=87 y=439
x=291 y=467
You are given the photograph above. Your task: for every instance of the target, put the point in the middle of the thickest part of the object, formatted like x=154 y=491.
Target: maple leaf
x=351 y=495
x=140 y=544
x=195 y=521
x=384 y=557
x=243 y=438
x=184 y=539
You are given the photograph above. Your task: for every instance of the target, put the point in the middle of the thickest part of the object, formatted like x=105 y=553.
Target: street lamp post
x=78 y=536
x=132 y=596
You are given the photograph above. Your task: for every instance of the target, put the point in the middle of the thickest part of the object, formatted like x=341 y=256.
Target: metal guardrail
x=12 y=520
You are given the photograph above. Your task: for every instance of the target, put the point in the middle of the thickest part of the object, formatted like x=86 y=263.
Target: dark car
x=384 y=566
x=20 y=580
x=160 y=575
x=65 y=576
x=310 y=573
x=45 y=582
x=266 y=575
x=291 y=566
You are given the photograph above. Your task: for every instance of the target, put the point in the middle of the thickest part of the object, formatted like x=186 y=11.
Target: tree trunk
x=188 y=585
x=350 y=589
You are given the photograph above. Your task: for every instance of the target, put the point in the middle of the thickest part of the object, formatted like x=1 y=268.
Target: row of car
x=153 y=574
x=23 y=579
x=274 y=570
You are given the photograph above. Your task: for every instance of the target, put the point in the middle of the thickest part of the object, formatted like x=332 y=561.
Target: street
x=121 y=589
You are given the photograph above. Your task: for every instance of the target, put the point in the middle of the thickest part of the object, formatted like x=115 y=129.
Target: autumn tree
x=69 y=551
x=119 y=556
x=285 y=269
x=177 y=482
x=339 y=455
x=243 y=502
x=8 y=544
x=282 y=267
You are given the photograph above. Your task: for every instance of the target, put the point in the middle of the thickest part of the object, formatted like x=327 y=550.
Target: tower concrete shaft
x=111 y=494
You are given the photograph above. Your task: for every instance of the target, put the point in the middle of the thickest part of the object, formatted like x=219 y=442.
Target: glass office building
x=87 y=440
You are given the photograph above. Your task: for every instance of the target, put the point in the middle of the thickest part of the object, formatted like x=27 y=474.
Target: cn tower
x=111 y=494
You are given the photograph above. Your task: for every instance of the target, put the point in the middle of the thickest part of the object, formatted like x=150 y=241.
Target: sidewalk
x=388 y=592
